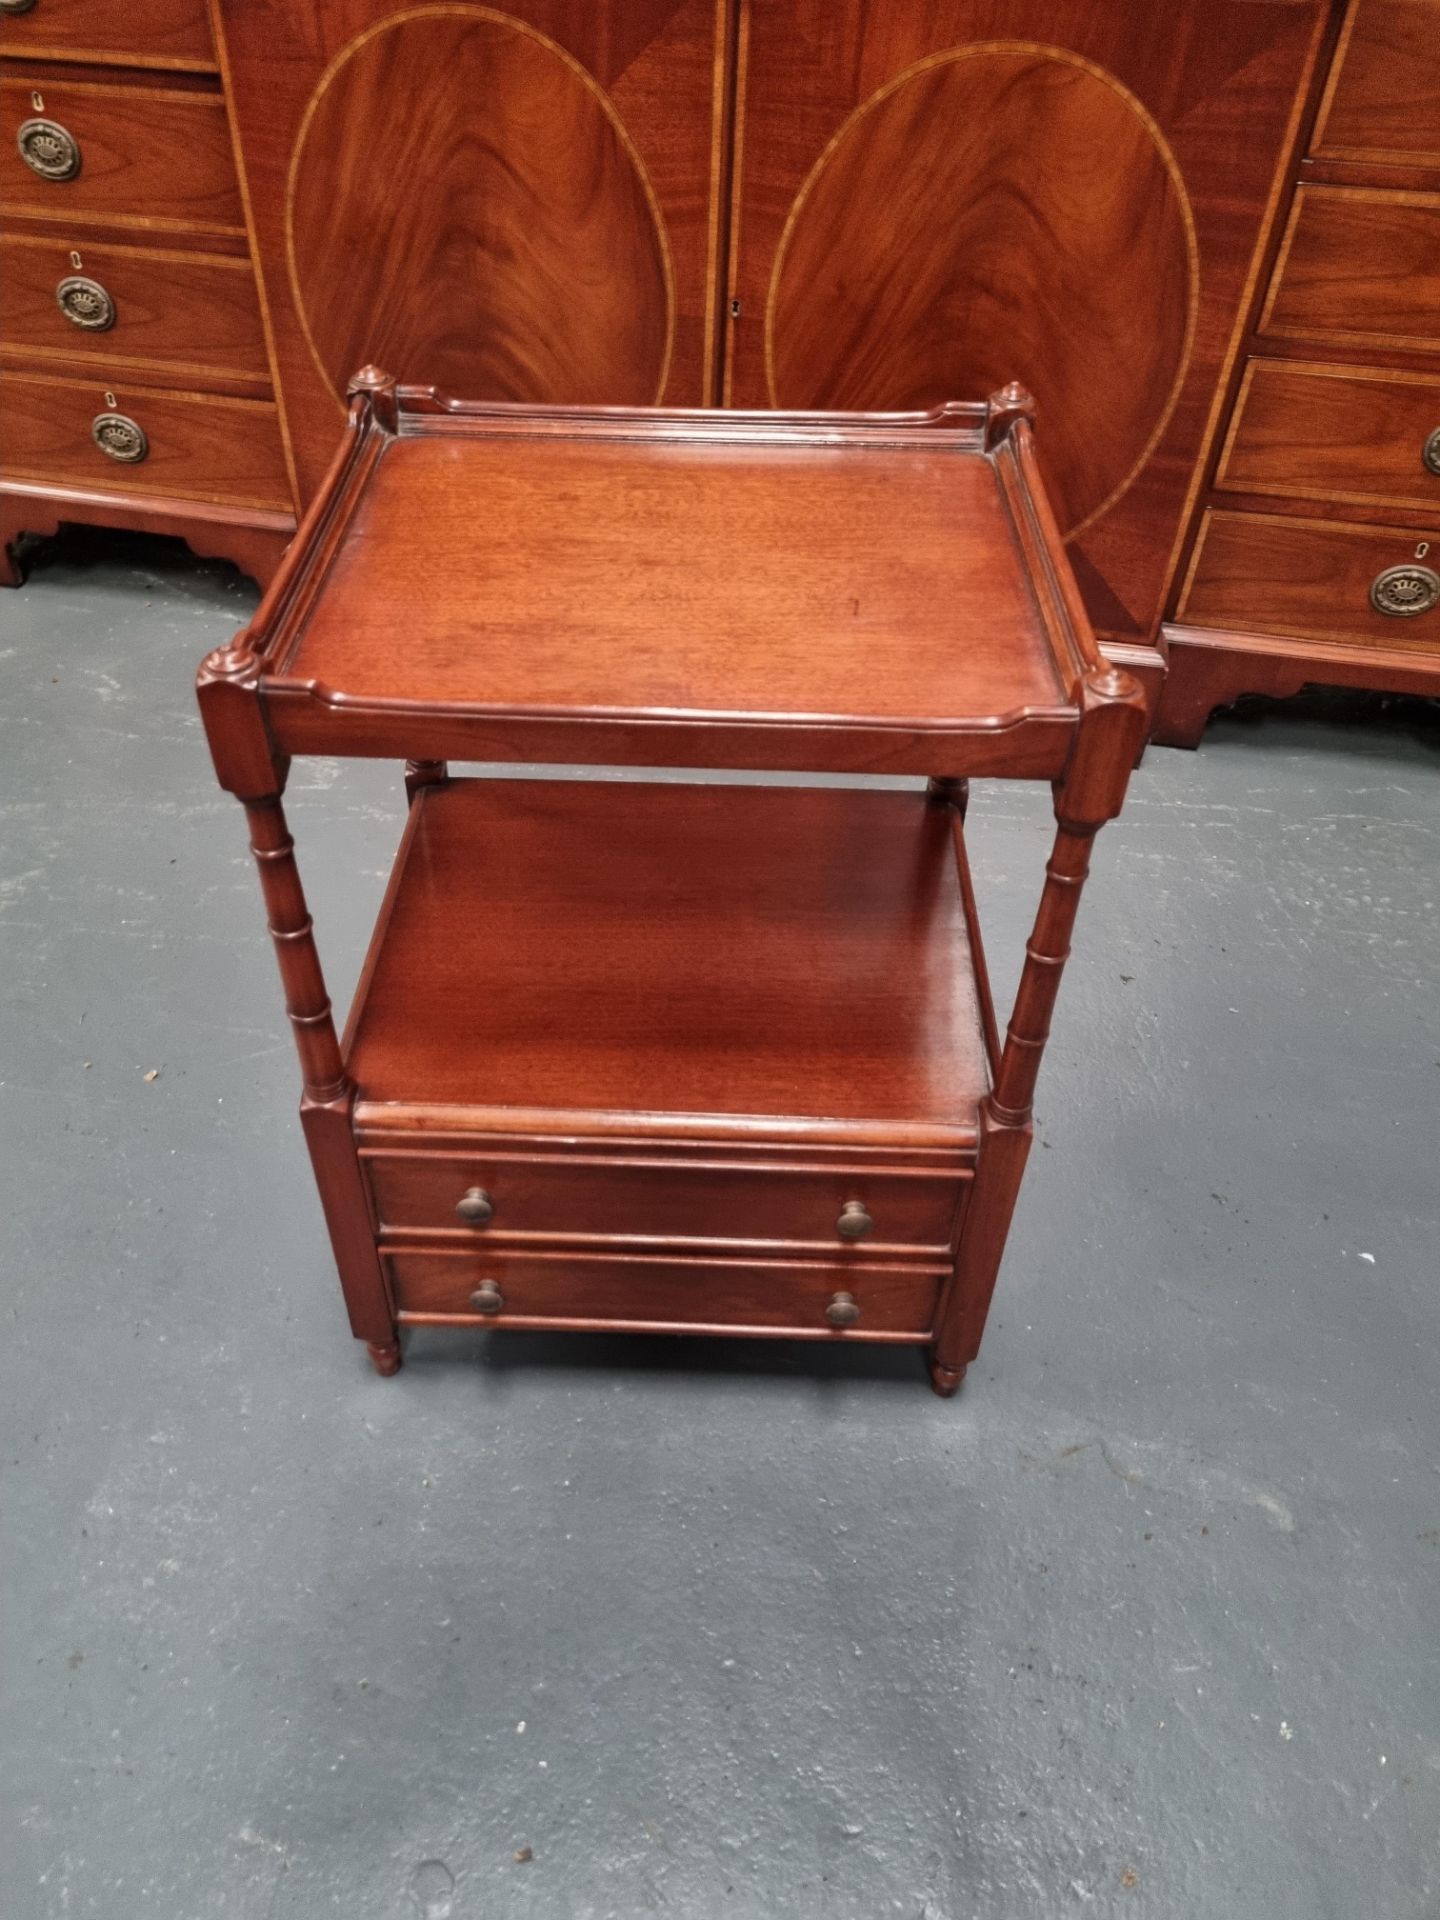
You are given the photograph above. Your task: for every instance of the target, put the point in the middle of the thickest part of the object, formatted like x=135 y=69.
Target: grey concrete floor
x=1143 y=1624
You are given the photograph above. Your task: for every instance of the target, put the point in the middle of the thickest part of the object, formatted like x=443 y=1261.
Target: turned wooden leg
x=949 y=792
x=420 y=774
x=945 y=1380
x=384 y=1357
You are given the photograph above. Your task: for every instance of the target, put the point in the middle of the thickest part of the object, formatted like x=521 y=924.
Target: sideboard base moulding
x=662 y=1055
x=251 y=539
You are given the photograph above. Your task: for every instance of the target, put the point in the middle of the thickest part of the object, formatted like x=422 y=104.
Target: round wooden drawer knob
x=842 y=1310
x=475 y=1207
x=854 y=1222
x=1404 y=592
x=85 y=303
x=487 y=1298
x=122 y=438
x=49 y=149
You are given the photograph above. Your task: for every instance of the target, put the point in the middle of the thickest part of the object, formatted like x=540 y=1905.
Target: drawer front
x=119 y=305
x=150 y=32
x=587 y=1290
x=196 y=446
x=143 y=157
x=1312 y=432
x=1383 y=101
x=1361 y=266
x=1313 y=578
x=560 y=1197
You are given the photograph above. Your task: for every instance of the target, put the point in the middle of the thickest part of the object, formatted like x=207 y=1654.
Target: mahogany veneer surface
x=698 y=577
x=685 y=949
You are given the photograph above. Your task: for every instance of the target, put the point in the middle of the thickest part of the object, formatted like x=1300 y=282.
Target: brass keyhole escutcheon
x=487 y=1298
x=48 y=149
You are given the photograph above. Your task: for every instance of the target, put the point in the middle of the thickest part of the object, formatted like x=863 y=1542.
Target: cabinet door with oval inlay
x=512 y=202
x=938 y=196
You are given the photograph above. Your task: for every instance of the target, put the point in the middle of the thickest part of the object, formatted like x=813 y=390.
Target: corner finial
x=1010 y=404
x=376 y=387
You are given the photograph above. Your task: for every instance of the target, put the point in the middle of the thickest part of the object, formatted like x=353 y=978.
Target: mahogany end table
x=669 y=1056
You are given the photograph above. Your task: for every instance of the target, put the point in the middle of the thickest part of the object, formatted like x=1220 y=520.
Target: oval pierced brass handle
x=1404 y=592
x=842 y=1310
x=119 y=436
x=1430 y=452
x=487 y=1298
x=85 y=303
x=854 y=1222
x=49 y=149
x=475 y=1207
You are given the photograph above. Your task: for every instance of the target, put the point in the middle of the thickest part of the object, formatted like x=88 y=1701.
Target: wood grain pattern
x=907 y=271
x=1309 y=578
x=202 y=446
x=1333 y=433
x=1359 y=266
x=512 y=201
x=1383 y=103
x=193 y=313
x=631 y=1198
x=155 y=157
x=698 y=923
x=652 y=1295
x=517 y=248
x=166 y=33
x=1030 y=171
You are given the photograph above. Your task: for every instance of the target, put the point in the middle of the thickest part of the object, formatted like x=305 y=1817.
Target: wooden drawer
x=201 y=447
x=1258 y=573
x=197 y=313
x=561 y=1197
x=581 y=1291
x=150 y=157
x=1383 y=101
x=153 y=33
x=1359 y=265
x=1312 y=432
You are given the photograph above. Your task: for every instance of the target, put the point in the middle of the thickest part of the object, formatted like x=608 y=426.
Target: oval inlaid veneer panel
x=465 y=209
x=998 y=212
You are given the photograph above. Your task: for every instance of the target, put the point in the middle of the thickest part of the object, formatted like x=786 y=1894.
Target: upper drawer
x=152 y=33
x=143 y=306
x=1383 y=101
x=1312 y=432
x=1258 y=573
x=1359 y=265
x=572 y=1197
x=196 y=446
x=131 y=156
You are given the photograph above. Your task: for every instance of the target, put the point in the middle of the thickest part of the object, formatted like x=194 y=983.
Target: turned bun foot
x=384 y=1356
x=945 y=1380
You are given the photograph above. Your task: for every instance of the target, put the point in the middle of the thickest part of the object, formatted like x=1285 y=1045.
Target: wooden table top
x=887 y=591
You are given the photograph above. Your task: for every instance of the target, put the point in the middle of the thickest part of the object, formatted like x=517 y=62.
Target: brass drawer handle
x=842 y=1310
x=49 y=149
x=487 y=1298
x=122 y=438
x=475 y=1207
x=854 y=1222
x=1404 y=592
x=85 y=303
x=16 y=6
x=1430 y=452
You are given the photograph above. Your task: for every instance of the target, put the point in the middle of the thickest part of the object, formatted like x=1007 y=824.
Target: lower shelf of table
x=562 y=1291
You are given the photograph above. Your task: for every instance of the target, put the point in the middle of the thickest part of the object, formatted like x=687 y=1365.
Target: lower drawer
x=656 y=1199
x=1316 y=580
x=189 y=445
x=819 y=1300
x=113 y=304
